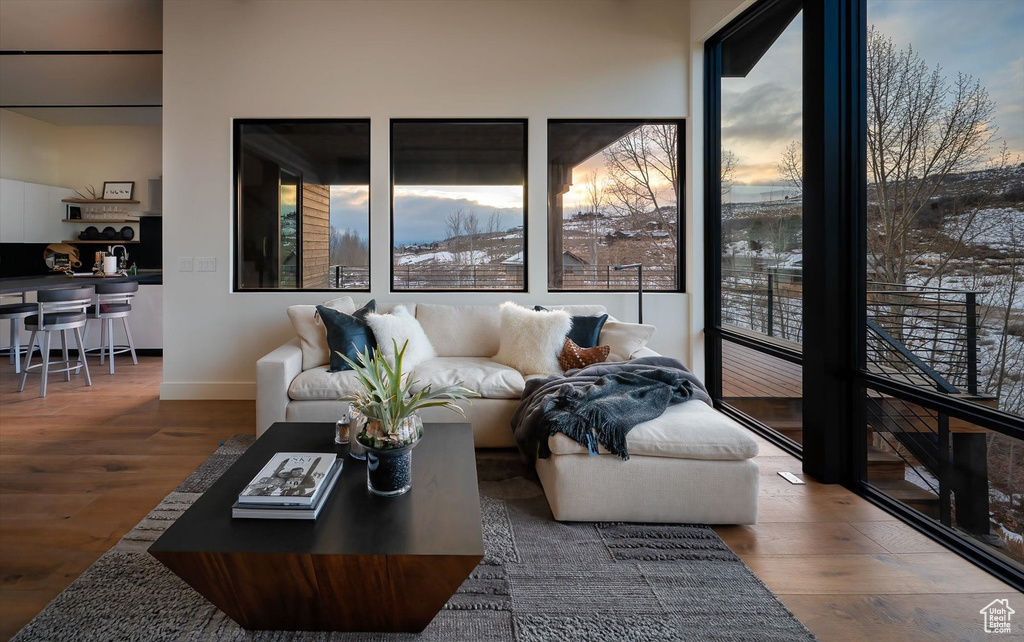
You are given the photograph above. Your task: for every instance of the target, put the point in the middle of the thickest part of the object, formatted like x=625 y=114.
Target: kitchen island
x=146 y=319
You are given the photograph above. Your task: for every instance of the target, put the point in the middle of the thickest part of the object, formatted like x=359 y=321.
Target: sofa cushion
x=532 y=340
x=574 y=357
x=347 y=334
x=690 y=430
x=482 y=375
x=319 y=384
x=312 y=335
x=397 y=329
x=461 y=330
x=625 y=338
x=586 y=330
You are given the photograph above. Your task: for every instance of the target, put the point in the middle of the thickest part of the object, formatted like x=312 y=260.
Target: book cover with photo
x=291 y=511
x=289 y=478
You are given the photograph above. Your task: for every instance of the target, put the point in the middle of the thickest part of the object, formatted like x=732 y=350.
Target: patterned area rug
x=539 y=580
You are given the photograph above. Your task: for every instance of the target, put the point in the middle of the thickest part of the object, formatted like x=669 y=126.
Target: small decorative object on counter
x=356 y=422
x=341 y=430
x=392 y=425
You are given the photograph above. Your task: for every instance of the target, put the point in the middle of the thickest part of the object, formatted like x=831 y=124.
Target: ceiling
x=82 y=62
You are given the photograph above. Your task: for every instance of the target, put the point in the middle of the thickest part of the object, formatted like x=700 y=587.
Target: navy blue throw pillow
x=347 y=334
x=586 y=331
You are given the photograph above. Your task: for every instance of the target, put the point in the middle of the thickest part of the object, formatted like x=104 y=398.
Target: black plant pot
x=389 y=472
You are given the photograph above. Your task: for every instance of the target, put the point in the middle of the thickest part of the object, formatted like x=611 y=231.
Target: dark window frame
x=236 y=174
x=526 y=192
x=835 y=116
x=680 y=124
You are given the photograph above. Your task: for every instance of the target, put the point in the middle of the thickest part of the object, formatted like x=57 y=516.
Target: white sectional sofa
x=691 y=465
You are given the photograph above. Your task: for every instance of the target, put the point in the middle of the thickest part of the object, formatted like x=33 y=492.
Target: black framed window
x=614 y=194
x=902 y=351
x=458 y=204
x=302 y=204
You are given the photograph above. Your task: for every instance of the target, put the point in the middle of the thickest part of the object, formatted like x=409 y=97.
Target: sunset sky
x=761 y=113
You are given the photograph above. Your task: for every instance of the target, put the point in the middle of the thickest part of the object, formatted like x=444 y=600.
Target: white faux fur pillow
x=401 y=326
x=532 y=340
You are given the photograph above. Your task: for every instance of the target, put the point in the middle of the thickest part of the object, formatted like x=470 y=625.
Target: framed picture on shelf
x=74 y=212
x=119 y=190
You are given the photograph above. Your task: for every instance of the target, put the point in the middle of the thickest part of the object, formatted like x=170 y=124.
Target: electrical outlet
x=206 y=264
x=184 y=263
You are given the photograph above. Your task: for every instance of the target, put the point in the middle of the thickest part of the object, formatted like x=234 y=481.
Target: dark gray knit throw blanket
x=600 y=404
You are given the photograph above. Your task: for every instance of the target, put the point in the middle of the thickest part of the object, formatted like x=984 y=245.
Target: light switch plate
x=206 y=264
x=184 y=263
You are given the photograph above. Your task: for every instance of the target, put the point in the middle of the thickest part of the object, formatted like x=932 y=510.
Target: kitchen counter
x=18 y=284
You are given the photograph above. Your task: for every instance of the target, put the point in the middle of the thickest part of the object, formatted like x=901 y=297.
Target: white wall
x=706 y=18
x=28 y=149
x=533 y=59
x=75 y=156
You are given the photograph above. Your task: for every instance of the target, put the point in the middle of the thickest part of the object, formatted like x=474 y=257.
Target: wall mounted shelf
x=100 y=220
x=99 y=201
x=101 y=241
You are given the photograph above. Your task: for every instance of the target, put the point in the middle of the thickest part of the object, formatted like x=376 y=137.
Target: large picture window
x=302 y=204
x=458 y=204
x=614 y=189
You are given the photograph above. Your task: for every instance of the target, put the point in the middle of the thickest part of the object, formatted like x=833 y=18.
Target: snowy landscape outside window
x=458 y=204
x=613 y=199
x=303 y=204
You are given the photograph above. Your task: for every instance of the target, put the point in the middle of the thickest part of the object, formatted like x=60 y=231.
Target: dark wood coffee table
x=367 y=563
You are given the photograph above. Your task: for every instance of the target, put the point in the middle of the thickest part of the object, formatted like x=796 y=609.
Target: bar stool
x=16 y=313
x=113 y=301
x=58 y=310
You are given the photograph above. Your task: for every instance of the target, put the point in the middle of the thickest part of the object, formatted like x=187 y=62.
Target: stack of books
x=290 y=486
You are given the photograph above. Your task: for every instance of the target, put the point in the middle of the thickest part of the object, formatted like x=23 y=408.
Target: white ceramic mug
x=110 y=265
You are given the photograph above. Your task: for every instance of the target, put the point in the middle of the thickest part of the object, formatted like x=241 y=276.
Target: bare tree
x=595 y=200
x=728 y=173
x=644 y=175
x=471 y=230
x=348 y=248
x=921 y=128
x=791 y=166
x=453 y=223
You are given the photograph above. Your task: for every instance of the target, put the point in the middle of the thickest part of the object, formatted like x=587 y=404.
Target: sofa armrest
x=644 y=352
x=274 y=373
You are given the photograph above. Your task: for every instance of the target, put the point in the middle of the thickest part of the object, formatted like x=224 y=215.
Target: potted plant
x=391 y=425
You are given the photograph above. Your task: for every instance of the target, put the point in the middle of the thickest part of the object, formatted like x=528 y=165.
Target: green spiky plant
x=387 y=397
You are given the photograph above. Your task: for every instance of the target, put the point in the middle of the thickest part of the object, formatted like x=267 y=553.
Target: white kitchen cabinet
x=12 y=211
x=32 y=213
x=44 y=213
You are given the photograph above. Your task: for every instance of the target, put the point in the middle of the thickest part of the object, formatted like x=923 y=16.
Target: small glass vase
x=357 y=421
x=389 y=470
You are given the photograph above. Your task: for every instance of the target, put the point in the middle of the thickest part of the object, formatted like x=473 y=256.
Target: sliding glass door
x=865 y=254
x=758 y=242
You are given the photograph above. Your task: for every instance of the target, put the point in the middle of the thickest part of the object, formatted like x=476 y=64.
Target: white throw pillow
x=401 y=326
x=531 y=340
x=311 y=330
x=624 y=338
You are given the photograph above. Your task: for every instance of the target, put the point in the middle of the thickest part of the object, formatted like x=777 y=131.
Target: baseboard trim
x=231 y=391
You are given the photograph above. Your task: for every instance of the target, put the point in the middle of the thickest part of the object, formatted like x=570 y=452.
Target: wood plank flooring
x=79 y=468
x=82 y=466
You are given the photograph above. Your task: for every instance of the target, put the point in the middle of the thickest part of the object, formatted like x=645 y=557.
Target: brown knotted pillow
x=574 y=357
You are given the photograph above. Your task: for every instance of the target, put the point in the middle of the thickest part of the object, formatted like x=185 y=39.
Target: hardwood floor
x=79 y=468
x=82 y=466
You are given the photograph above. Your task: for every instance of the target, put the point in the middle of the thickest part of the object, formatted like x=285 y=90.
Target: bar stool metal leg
x=64 y=354
x=131 y=344
x=81 y=356
x=103 y=341
x=110 y=343
x=46 y=363
x=28 y=360
x=14 y=337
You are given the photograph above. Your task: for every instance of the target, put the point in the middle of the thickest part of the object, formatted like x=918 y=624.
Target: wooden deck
x=749 y=373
